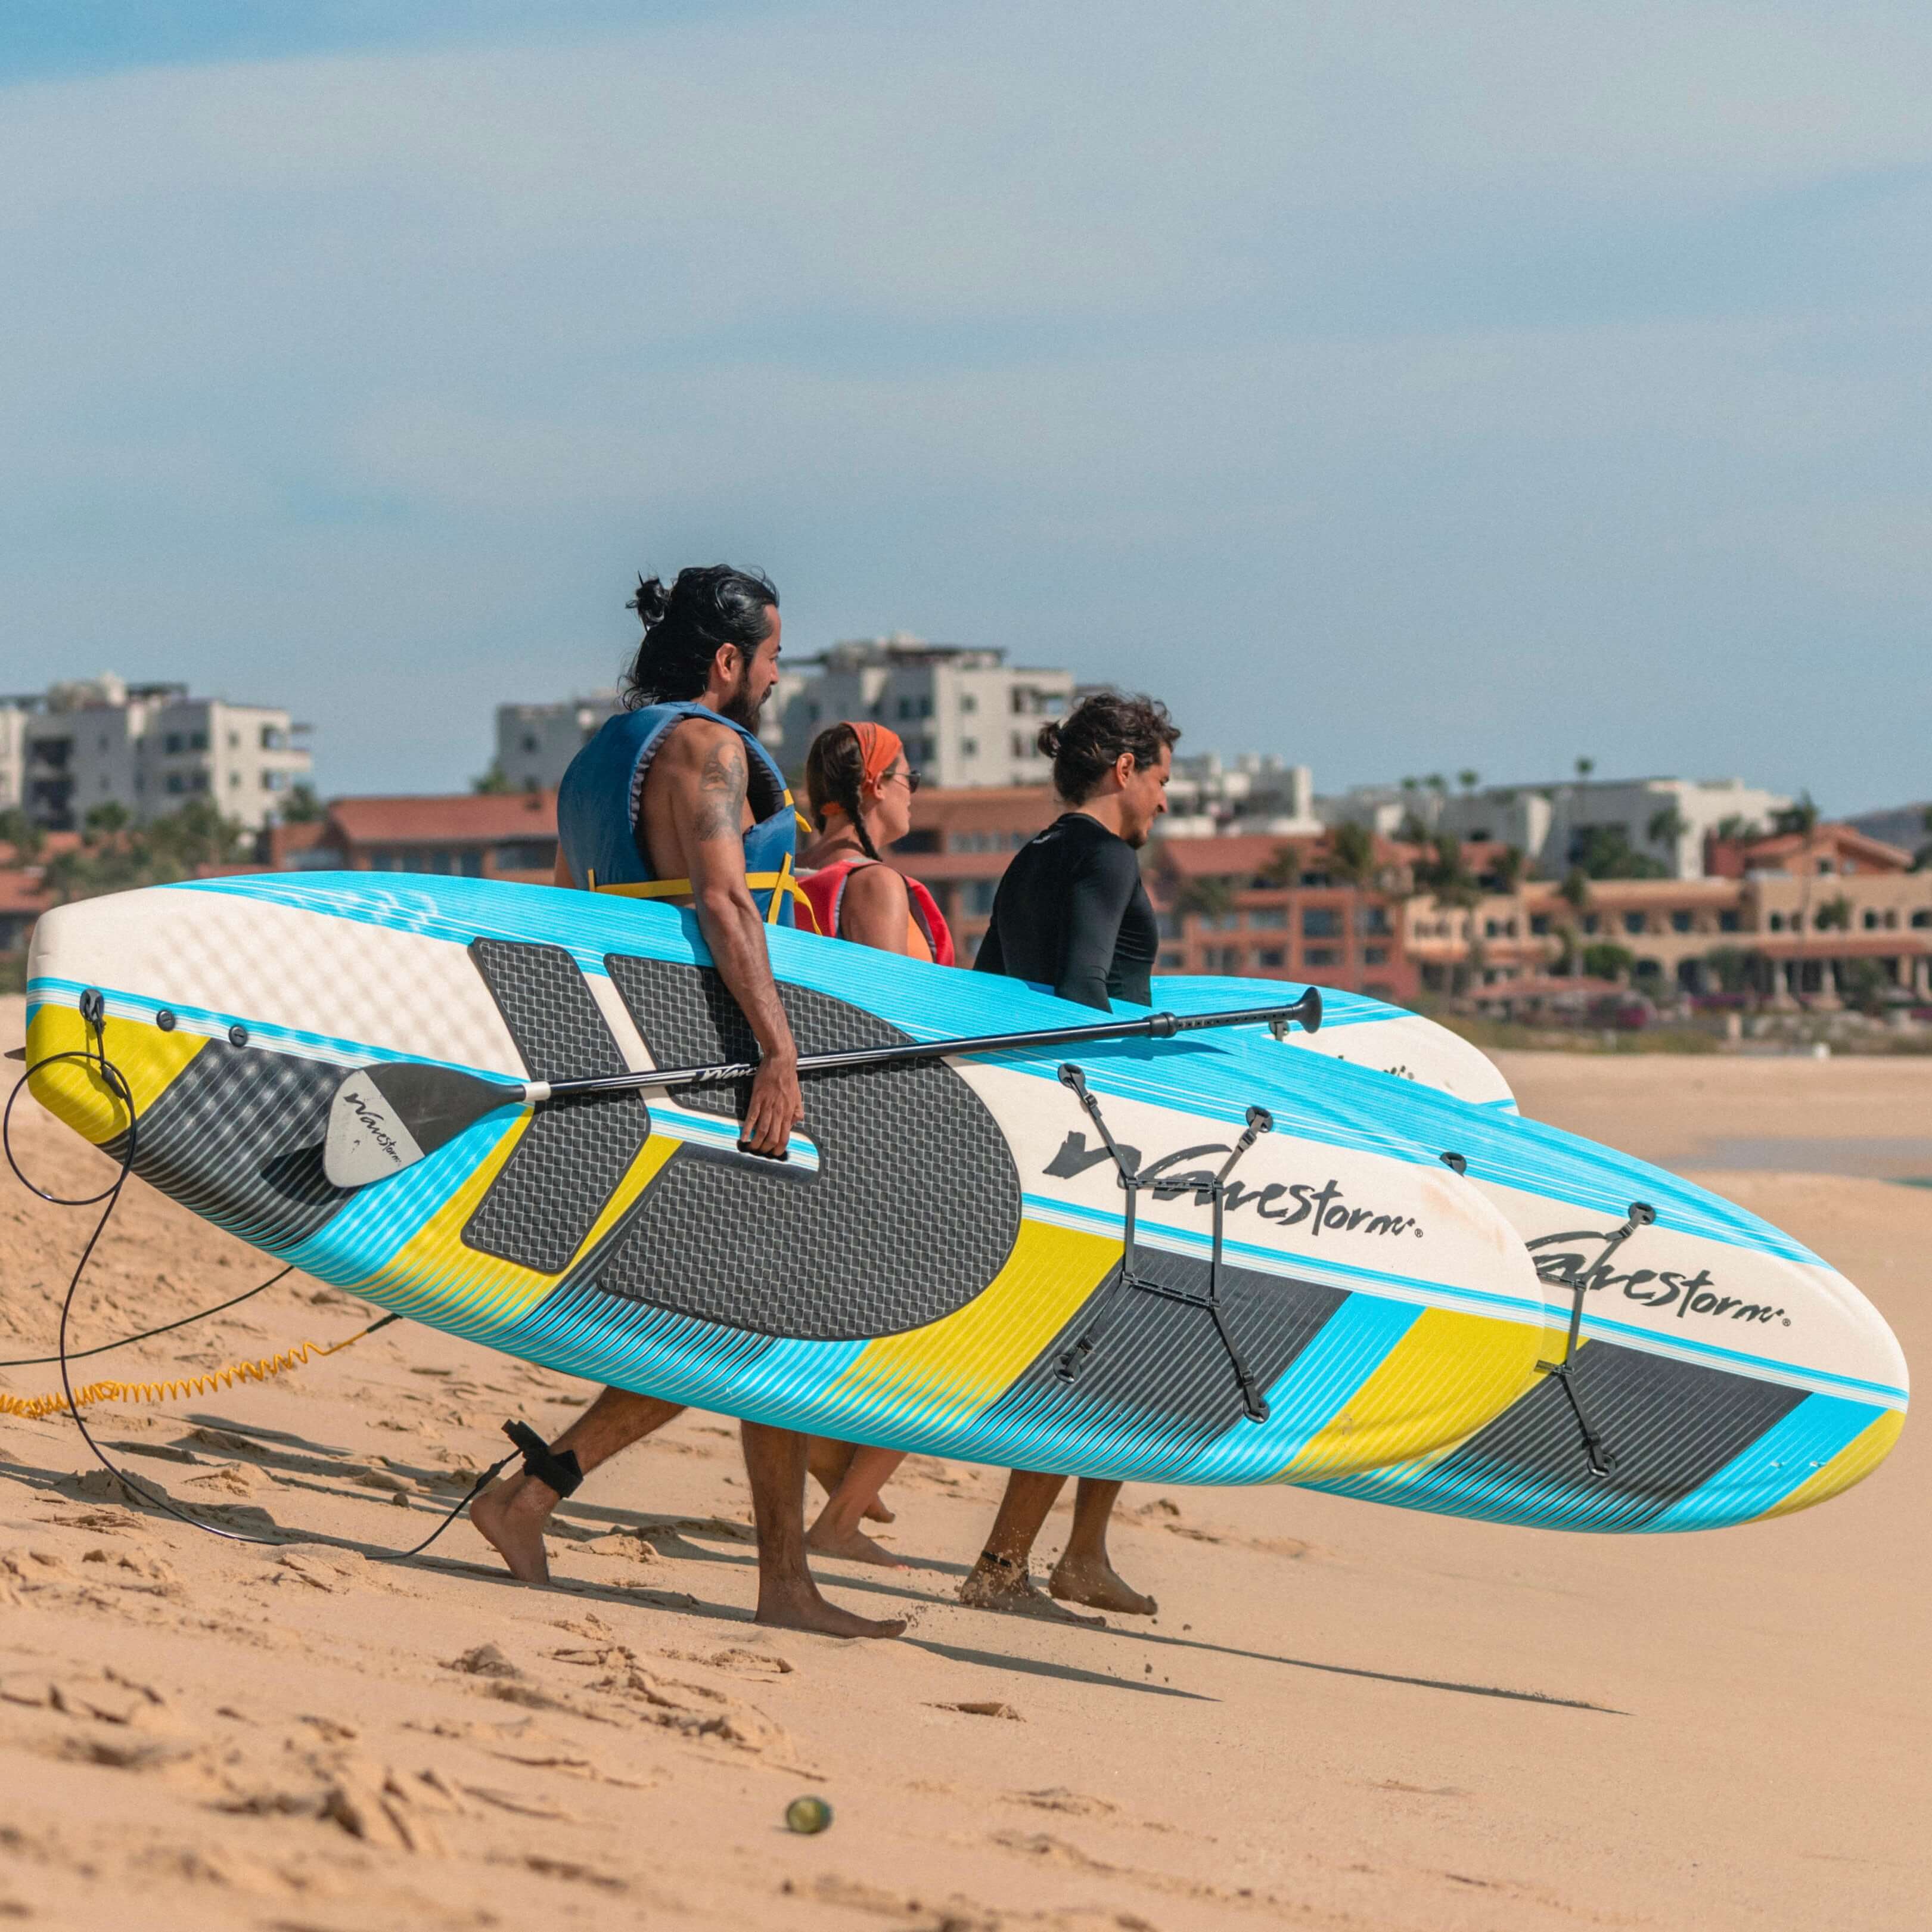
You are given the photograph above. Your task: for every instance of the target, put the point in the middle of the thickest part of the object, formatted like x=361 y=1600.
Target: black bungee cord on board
x=93 y=1012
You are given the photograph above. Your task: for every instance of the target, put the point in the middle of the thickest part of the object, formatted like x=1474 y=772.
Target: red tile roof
x=479 y=818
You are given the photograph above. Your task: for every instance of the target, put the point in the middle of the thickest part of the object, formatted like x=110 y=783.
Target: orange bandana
x=879 y=747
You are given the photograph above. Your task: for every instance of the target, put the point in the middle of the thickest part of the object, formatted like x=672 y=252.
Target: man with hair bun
x=675 y=800
x=1072 y=913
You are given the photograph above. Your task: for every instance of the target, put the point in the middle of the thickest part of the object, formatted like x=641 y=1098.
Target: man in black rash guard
x=1072 y=913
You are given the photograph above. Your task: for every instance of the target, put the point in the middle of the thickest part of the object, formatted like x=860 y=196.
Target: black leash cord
x=95 y=1057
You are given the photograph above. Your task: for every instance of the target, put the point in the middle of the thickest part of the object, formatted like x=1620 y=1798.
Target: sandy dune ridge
x=1345 y=1716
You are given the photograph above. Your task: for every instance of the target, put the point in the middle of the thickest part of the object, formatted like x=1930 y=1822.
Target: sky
x=1394 y=389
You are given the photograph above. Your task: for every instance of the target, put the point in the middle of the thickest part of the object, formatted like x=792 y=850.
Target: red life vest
x=927 y=936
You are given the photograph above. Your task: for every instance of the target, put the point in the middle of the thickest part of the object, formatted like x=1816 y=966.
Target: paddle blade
x=384 y=1119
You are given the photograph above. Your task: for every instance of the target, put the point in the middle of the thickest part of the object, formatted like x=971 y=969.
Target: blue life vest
x=599 y=807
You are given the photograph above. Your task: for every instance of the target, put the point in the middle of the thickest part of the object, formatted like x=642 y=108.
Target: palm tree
x=1468 y=779
x=1585 y=767
x=1352 y=853
x=1668 y=826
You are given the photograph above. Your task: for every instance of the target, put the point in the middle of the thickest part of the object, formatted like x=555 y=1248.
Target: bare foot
x=992 y=1586
x=800 y=1607
x=877 y=1512
x=853 y=1544
x=1075 y=1581
x=511 y=1515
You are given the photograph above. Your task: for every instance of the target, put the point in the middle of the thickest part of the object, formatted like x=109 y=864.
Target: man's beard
x=741 y=709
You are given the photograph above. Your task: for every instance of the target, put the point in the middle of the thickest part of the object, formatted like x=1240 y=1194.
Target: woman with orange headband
x=860 y=785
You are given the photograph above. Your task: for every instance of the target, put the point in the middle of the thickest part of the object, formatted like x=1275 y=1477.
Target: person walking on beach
x=1072 y=913
x=675 y=799
x=859 y=789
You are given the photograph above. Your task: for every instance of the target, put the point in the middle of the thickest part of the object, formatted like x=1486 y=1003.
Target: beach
x=1345 y=1716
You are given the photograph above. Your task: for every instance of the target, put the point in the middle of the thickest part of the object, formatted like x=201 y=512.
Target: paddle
x=385 y=1118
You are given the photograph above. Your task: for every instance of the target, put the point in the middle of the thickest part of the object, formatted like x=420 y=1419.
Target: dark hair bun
x=1047 y=743
x=1086 y=743
x=651 y=602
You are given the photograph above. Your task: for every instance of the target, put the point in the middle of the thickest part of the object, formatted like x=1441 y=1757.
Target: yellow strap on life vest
x=781 y=882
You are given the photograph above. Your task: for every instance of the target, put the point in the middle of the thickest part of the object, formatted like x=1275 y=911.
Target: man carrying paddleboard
x=1072 y=913
x=675 y=800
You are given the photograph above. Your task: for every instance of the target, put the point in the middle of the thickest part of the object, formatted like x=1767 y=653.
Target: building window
x=529 y=744
x=1590 y=922
x=967 y=702
x=1170 y=962
x=176 y=783
x=1321 y=955
x=811 y=713
x=273 y=739
x=197 y=741
x=980 y=895
x=234 y=780
x=274 y=780
x=1268 y=919
x=1539 y=925
x=969 y=747
x=1375 y=955
x=1730 y=922
x=1777 y=922
x=1633 y=921
x=1321 y=923
x=234 y=741
x=1270 y=958
x=1922 y=918
x=526 y=855
x=173 y=743
x=926 y=707
x=1680 y=922
x=1870 y=920
x=1373 y=918
x=1224 y=958
x=925 y=839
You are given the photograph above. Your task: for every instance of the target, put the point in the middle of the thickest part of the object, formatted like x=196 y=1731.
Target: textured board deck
x=945 y=1236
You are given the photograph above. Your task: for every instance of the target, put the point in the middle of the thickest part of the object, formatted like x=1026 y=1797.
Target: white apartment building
x=967 y=716
x=535 y=742
x=1210 y=796
x=1665 y=819
x=150 y=748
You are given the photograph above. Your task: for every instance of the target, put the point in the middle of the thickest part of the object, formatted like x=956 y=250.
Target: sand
x=1345 y=1716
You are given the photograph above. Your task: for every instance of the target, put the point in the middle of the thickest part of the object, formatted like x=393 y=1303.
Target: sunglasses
x=911 y=776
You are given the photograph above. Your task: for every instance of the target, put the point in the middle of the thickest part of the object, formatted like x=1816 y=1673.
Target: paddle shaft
x=1307 y=1009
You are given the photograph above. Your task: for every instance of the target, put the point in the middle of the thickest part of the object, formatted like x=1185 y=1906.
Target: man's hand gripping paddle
x=386 y=1118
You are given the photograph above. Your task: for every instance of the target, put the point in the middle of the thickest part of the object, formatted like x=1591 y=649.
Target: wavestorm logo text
x=1563 y=1261
x=1321 y=1208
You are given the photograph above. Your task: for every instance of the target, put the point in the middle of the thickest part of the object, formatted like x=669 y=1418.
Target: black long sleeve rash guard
x=1072 y=913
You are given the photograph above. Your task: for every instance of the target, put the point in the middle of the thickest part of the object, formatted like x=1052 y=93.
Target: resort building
x=148 y=748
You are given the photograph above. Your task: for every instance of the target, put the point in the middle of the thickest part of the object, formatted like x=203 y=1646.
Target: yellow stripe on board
x=1447 y=1377
x=961 y=1365
x=148 y=1059
x=452 y=1281
x=1852 y=1464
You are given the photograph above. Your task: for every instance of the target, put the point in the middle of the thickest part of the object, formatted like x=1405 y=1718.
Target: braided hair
x=705 y=607
x=835 y=771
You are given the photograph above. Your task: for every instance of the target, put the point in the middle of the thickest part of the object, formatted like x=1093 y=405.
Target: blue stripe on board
x=1768 y=1368
x=122 y=1004
x=1789 y=1453
x=1351 y=1345
x=1218 y=1077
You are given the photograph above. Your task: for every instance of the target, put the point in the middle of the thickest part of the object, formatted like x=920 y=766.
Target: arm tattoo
x=720 y=794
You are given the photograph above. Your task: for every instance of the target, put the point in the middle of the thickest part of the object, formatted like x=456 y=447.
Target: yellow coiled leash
x=34 y=1407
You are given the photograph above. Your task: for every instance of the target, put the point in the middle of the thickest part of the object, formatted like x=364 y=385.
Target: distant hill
x=1898 y=825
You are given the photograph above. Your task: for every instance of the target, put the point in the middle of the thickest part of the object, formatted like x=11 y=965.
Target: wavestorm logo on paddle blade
x=366 y=1141
x=1287 y=1203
